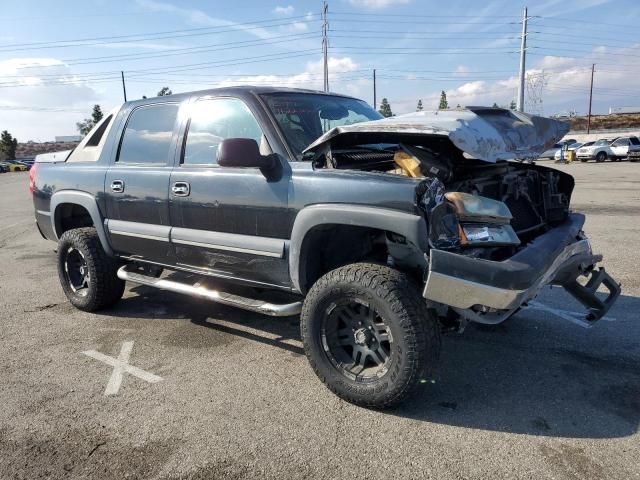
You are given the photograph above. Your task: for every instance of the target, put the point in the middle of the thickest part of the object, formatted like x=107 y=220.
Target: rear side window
x=214 y=120
x=634 y=141
x=620 y=142
x=94 y=140
x=147 y=136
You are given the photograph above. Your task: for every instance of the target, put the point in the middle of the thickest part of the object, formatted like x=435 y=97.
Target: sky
x=58 y=59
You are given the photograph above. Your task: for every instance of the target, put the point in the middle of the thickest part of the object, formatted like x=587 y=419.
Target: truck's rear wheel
x=87 y=274
x=368 y=334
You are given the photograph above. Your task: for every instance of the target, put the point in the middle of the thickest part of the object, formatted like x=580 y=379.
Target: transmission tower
x=535 y=89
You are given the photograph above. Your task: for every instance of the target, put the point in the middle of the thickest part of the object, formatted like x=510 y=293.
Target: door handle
x=117 y=186
x=181 y=189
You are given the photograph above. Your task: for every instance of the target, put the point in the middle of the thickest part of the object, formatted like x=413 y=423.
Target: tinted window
x=147 y=137
x=214 y=120
x=97 y=135
x=303 y=117
x=635 y=141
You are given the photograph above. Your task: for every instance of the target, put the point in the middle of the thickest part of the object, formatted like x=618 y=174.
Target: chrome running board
x=202 y=291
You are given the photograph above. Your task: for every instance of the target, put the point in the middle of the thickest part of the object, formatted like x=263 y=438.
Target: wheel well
x=70 y=216
x=327 y=247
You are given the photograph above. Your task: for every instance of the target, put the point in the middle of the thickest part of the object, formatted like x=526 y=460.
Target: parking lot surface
x=164 y=386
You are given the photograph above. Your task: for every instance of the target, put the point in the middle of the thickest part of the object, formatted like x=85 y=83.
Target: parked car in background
x=3 y=168
x=572 y=147
x=551 y=152
x=634 y=152
x=599 y=151
x=14 y=166
x=614 y=150
x=27 y=161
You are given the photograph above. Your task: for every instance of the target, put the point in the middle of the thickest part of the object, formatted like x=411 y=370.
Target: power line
x=188 y=50
x=145 y=37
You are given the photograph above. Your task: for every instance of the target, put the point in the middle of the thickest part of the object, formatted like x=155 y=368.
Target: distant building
x=68 y=138
x=613 y=110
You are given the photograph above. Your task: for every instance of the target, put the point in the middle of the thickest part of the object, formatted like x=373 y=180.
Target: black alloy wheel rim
x=77 y=271
x=357 y=340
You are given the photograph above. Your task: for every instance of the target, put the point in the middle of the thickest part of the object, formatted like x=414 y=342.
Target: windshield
x=602 y=142
x=303 y=117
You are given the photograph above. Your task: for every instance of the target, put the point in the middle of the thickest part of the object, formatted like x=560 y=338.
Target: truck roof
x=235 y=90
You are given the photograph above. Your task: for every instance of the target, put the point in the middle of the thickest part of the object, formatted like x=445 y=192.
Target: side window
x=94 y=141
x=213 y=120
x=147 y=136
x=620 y=142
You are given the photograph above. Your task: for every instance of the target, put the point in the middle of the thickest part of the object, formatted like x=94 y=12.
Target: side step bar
x=202 y=291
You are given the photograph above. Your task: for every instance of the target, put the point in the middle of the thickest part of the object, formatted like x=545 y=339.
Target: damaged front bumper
x=558 y=257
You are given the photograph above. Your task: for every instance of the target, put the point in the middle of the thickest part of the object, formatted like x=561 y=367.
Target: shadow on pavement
x=533 y=375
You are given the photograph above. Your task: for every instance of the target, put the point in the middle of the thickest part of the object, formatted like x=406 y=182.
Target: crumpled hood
x=484 y=133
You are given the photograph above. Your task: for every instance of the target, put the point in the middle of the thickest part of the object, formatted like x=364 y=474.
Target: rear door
x=229 y=222
x=137 y=184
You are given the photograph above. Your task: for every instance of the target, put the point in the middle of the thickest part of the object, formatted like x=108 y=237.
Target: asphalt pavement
x=166 y=387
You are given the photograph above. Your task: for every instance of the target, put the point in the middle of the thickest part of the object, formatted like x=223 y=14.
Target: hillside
x=606 y=122
x=26 y=150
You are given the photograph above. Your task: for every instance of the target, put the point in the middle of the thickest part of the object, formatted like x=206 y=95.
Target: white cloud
x=288 y=10
x=43 y=83
x=461 y=71
x=311 y=77
x=299 y=26
x=198 y=17
x=377 y=3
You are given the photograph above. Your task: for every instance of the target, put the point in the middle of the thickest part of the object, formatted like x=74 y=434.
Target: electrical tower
x=535 y=83
x=325 y=44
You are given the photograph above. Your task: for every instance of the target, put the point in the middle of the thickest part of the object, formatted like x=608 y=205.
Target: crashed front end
x=499 y=229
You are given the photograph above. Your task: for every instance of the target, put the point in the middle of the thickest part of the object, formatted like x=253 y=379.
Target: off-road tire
x=104 y=287
x=395 y=297
x=601 y=157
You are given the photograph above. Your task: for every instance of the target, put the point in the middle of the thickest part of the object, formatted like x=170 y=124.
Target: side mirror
x=243 y=152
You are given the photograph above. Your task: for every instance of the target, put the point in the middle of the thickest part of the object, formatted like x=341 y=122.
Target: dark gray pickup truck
x=380 y=233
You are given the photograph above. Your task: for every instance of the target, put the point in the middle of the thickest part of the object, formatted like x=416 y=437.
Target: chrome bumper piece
x=461 y=293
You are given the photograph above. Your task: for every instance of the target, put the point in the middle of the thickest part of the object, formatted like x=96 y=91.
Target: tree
x=512 y=105
x=164 y=91
x=87 y=124
x=385 y=108
x=419 y=107
x=495 y=105
x=443 y=101
x=8 y=145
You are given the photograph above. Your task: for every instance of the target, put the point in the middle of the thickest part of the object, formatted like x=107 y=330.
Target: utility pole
x=593 y=67
x=375 y=105
x=325 y=44
x=124 y=88
x=523 y=49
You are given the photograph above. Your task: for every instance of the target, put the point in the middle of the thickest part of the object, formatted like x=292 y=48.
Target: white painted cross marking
x=121 y=365
x=573 y=317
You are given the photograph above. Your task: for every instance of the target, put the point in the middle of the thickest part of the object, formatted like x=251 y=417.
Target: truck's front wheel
x=369 y=335
x=87 y=274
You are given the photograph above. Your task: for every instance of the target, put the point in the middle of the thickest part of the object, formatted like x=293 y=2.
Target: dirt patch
x=79 y=454
x=572 y=462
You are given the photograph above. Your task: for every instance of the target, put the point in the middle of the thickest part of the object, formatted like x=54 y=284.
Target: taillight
x=32 y=178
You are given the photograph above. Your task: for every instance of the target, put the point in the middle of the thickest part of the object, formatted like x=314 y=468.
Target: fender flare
x=88 y=202
x=412 y=227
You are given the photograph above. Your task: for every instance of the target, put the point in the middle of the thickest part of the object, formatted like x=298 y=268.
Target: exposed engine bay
x=536 y=198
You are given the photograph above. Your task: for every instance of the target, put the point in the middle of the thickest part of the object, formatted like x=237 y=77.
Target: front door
x=230 y=222
x=137 y=184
